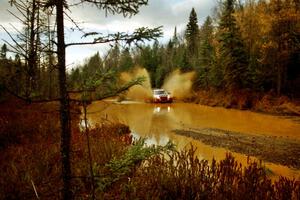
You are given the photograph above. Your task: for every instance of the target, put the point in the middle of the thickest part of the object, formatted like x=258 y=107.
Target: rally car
x=161 y=96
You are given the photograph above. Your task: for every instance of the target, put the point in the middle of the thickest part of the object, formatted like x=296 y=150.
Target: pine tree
x=192 y=38
x=126 y=62
x=233 y=56
x=251 y=18
x=206 y=50
x=206 y=46
x=175 y=39
x=283 y=46
x=93 y=65
x=113 y=58
x=178 y=50
x=3 y=52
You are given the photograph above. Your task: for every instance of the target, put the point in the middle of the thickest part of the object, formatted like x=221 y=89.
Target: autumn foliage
x=181 y=175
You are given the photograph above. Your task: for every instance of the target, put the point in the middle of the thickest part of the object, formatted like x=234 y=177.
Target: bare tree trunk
x=85 y=104
x=50 y=84
x=64 y=105
x=279 y=80
x=50 y=58
x=32 y=47
x=27 y=75
x=39 y=82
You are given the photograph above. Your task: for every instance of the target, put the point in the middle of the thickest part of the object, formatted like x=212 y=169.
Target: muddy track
x=277 y=150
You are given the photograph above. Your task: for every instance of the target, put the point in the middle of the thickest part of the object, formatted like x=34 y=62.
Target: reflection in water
x=156 y=122
x=159 y=109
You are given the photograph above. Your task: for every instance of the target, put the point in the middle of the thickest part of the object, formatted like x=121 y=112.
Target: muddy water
x=156 y=122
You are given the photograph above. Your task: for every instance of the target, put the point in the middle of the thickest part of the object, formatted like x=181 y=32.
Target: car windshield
x=158 y=92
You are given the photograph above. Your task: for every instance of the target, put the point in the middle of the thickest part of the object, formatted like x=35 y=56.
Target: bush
x=181 y=175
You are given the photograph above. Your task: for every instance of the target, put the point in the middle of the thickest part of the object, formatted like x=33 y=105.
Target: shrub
x=181 y=175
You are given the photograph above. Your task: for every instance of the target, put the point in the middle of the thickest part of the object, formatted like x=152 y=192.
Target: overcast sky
x=166 y=13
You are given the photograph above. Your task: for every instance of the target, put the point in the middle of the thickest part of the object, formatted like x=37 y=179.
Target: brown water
x=156 y=122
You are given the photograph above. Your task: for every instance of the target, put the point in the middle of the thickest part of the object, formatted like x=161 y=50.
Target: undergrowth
x=181 y=175
x=30 y=154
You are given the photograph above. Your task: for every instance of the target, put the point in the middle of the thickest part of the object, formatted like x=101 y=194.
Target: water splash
x=137 y=92
x=179 y=84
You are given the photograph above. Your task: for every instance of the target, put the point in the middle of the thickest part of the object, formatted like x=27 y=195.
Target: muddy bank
x=277 y=150
x=248 y=100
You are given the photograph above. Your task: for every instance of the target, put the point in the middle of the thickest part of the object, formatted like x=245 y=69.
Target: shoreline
x=266 y=103
x=276 y=150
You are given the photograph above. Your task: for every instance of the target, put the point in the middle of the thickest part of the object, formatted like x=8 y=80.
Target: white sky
x=166 y=13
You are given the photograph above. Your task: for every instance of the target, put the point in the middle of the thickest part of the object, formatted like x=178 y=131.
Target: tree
x=93 y=65
x=206 y=51
x=167 y=64
x=126 y=62
x=125 y=7
x=3 y=52
x=233 y=56
x=149 y=58
x=251 y=17
x=93 y=76
x=50 y=59
x=75 y=79
x=281 y=49
x=113 y=58
x=28 y=42
x=175 y=38
x=192 y=38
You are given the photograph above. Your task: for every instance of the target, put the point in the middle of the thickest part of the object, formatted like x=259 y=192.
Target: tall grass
x=29 y=152
x=181 y=175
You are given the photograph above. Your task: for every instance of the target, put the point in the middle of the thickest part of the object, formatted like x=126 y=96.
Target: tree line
x=254 y=45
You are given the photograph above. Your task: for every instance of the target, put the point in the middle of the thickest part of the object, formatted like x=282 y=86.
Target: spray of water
x=179 y=84
x=138 y=92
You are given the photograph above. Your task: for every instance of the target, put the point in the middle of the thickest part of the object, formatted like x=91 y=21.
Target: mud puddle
x=273 y=149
